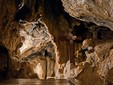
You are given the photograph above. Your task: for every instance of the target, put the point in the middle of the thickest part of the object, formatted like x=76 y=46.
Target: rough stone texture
x=38 y=43
x=36 y=37
x=11 y=38
x=97 y=11
x=97 y=67
x=30 y=51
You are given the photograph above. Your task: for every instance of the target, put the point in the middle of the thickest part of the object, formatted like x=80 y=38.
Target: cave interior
x=47 y=36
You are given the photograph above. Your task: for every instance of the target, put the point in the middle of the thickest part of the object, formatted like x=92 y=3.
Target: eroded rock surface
x=37 y=48
x=97 y=66
x=29 y=48
x=97 y=11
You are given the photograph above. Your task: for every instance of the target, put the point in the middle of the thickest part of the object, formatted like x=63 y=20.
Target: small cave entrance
x=103 y=33
x=4 y=61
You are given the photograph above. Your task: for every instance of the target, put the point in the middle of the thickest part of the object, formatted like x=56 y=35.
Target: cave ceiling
x=99 y=12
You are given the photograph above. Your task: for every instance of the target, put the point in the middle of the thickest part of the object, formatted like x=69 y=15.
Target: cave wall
x=58 y=22
x=52 y=14
x=96 y=11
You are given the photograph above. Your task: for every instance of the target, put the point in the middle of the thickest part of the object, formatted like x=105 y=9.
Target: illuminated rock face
x=97 y=64
x=29 y=45
x=97 y=11
x=36 y=37
x=38 y=48
x=21 y=42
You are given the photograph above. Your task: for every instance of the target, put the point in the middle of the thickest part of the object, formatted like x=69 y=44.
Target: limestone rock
x=98 y=65
x=97 y=11
x=38 y=48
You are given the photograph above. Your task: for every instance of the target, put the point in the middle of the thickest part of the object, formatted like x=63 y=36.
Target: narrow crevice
x=4 y=64
x=38 y=4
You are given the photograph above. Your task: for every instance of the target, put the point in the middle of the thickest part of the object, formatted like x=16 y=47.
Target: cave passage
x=43 y=41
x=4 y=63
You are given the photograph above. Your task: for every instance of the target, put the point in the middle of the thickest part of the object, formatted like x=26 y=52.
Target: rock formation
x=44 y=39
x=96 y=11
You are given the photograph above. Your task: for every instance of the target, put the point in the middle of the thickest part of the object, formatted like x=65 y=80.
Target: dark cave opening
x=103 y=33
x=22 y=13
x=38 y=3
x=17 y=2
x=4 y=63
x=80 y=30
x=53 y=7
x=91 y=30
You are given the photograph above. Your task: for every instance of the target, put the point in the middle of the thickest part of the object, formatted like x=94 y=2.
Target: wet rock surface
x=37 y=82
